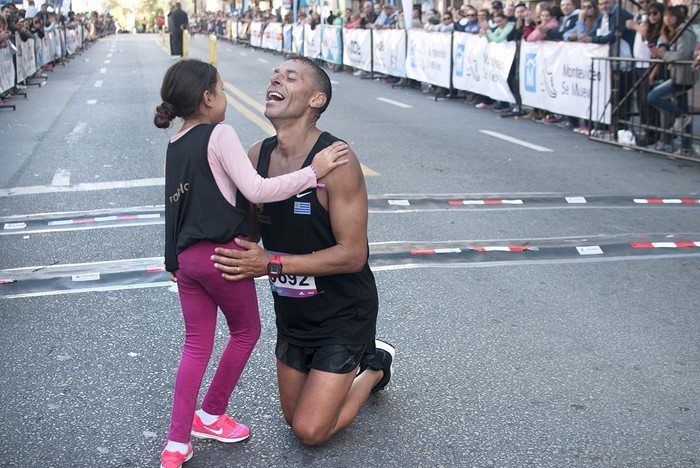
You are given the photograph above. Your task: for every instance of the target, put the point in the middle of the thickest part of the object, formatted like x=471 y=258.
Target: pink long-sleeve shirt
x=233 y=171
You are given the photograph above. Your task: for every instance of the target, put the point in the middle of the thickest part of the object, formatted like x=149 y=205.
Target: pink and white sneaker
x=223 y=429
x=175 y=459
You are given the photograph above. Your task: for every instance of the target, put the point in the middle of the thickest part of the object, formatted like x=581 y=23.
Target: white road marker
x=261 y=60
x=103 y=71
x=516 y=141
x=394 y=103
x=98 y=84
x=86 y=187
x=61 y=178
x=92 y=102
x=335 y=82
x=108 y=61
x=243 y=54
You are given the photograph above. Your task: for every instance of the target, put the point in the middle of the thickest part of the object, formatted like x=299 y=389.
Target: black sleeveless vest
x=195 y=209
x=343 y=308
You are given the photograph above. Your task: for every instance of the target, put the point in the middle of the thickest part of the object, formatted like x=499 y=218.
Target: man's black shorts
x=337 y=359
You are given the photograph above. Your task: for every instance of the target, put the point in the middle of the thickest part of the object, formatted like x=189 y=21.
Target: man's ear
x=318 y=100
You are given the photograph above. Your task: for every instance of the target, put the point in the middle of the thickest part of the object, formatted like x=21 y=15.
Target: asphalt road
x=543 y=299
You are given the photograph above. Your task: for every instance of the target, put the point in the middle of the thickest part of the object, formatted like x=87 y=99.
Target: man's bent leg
x=330 y=402
x=290 y=383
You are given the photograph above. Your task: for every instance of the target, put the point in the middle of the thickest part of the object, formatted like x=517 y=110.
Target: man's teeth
x=275 y=96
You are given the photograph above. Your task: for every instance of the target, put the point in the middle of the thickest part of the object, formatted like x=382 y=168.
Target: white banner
x=272 y=37
x=287 y=38
x=26 y=63
x=389 y=52
x=481 y=66
x=428 y=59
x=298 y=39
x=331 y=44
x=312 y=42
x=556 y=77
x=7 y=70
x=256 y=28
x=357 y=48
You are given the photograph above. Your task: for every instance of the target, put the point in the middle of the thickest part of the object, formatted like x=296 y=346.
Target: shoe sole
x=202 y=435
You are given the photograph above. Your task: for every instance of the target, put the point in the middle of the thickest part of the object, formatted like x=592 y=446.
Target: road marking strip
x=394 y=103
x=120 y=184
x=261 y=60
x=245 y=98
x=250 y=115
x=98 y=84
x=516 y=141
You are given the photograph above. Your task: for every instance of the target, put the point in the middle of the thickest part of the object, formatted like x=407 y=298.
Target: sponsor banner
x=7 y=70
x=71 y=41
x=242 y=30
x=428 y=58
x=26 y=63
x=312 y=42
x=287 y=38
x=298 y=39
x=481 y=66
x=357 y=48
x=256 y=29
x=389 y=51
x=556 y=77
x=332 y=43
x=39 y=52
x=272 y=37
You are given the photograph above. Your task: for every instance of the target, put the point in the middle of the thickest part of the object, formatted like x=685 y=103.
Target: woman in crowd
x=647 y=37
x=547 y=22
x=671 y=96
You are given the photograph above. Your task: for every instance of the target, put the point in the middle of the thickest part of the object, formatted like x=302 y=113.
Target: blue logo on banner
x=302 y=208
x=459 y=60
x=531 y=73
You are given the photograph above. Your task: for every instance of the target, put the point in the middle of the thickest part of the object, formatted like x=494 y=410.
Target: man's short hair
x=521 y=5
x=319 y=78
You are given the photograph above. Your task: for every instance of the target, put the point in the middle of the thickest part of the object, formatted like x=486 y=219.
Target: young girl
x=207 y=174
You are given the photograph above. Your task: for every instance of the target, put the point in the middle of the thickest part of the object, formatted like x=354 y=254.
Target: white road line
x=73 y=136
x=262 y=60
x=243 y=54
x=516 y=141
x=335 y=82
x=61 y=178
x=394 y=103
x=87 y=187
x=109 y=55
x=103 y=71
x=98 y=84
x=92 y=102
x=108 y=61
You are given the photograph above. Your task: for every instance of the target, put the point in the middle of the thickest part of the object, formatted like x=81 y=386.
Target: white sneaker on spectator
x=681 y=122
x=358 y=73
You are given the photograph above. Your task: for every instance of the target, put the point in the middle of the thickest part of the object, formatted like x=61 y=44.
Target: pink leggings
x=202 y=289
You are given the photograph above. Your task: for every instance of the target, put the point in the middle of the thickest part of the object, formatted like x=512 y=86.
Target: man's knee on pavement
x=309 y=433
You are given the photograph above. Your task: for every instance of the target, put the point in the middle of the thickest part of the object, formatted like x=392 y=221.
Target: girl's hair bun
x=165 y=113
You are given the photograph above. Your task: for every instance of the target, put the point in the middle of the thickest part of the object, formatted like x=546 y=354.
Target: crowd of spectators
x=18 y=24
x=648 y=32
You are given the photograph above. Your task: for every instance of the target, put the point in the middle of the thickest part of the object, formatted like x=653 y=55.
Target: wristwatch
x=274 y=268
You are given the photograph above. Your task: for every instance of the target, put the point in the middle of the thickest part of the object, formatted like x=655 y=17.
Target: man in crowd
x=328 y=361
x=180 y=22
x=566 y=23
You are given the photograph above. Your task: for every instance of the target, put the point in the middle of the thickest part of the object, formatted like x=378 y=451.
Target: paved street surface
x=541 y=289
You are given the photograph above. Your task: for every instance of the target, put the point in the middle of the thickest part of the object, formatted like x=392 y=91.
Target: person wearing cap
x=496 y=8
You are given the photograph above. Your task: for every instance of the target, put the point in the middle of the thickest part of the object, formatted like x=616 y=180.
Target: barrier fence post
x=185 y=42
x=212 y=50
x=162 y=36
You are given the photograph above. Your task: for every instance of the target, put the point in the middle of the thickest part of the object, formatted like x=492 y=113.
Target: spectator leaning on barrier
x=647 y=36
x=367 y=15
x=671 y=96
x=496 y=8
x=501 y=31
x=509 y=11
x=471 y=25
x=355 y=22
x=43 y=14
x=587 y=22
x=546 y=23
x=567 y=22
x=519 y=22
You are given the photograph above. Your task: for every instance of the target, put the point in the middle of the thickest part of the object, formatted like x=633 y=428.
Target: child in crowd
x=207 y=174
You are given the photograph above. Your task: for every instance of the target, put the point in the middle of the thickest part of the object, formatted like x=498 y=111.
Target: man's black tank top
x=314 y=311
x=195 y=209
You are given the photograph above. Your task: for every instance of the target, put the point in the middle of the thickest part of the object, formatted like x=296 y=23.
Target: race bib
x=296 y=286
